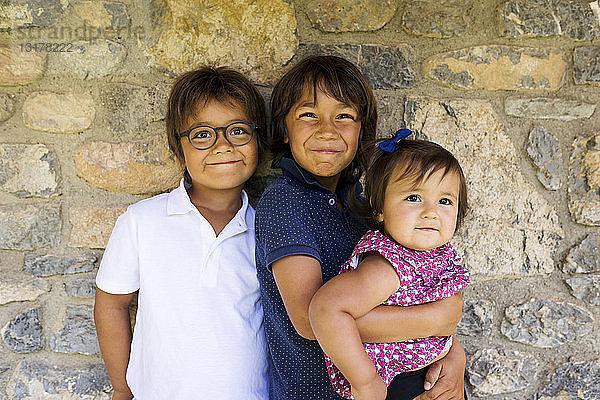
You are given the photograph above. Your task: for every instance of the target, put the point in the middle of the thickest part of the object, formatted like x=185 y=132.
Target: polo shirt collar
x=294 y=169
x=179 y=202
x=291 y=167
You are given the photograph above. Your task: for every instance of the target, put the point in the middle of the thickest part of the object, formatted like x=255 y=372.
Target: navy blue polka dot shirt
x=297 y=215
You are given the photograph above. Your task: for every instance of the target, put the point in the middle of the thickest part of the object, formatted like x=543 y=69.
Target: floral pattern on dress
x=425 y=276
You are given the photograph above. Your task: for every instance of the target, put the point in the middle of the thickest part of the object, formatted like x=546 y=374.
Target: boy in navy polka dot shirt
x=322 y=111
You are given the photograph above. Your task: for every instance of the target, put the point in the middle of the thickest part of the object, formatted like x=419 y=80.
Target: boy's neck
x=217 y=206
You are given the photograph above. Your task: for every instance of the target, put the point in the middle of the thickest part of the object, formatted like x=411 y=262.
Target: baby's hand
x=374 y=390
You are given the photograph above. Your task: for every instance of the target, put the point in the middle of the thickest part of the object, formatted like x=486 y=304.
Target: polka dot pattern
x=297 y=215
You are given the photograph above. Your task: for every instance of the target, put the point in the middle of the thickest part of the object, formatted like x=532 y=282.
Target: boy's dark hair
x=338 y=78
x=415 y=160
x=199 y=87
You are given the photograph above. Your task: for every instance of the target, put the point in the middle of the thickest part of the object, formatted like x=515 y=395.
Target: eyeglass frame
x=253 y=127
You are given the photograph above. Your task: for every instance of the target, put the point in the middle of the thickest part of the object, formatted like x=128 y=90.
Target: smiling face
x=223 y=166
x=422 y=217
x=323 y=135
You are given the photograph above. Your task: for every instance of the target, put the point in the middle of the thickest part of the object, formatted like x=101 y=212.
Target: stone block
x=140 y=167
x=384 y=67
x=573 y=381
x=129 y=107
x=585 y=257
x=20 y=67
x=350 y=15
x=586 y=288
x=92 y=226
x=81 y=287
x=545 y=323
x=33 y=380
x=586 y=65
x=544 y=152
x=7 y=106
x=23 y=334
x=29 y=170
x=476 y=319
x=498 y=67
x=89 y=59
x=540 y=18
x=256 y=37
x=584 y=181
x=59 y=112
x=544 y=108
x=108 y=15
x=390 y=107
x=437 y=18
x=513 y=233
x=43 y=264
x=30 y=13
x=19 y=288
x=78 y=334
x=29 y=227
x=497 y=371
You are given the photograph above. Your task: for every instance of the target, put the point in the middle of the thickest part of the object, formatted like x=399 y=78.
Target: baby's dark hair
x=414 y=160
x=338 y=78
x=203 y=85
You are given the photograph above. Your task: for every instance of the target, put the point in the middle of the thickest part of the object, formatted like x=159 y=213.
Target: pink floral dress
x=425 y=276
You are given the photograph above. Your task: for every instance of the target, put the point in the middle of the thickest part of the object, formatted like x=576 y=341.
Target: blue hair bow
x=390 y=145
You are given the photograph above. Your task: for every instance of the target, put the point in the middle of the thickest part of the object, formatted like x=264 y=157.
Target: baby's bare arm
x=333 y=311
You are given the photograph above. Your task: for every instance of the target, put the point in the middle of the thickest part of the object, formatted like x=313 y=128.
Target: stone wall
x=509 y=86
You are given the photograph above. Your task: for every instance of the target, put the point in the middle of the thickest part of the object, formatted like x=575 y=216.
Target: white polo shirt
x=198 y=332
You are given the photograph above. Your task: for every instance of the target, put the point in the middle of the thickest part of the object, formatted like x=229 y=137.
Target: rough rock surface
x=37 y=381
x=546 y=323
x=257 y=37
x=350 y=15
x=544 y=152
x=92 y=226
x=140 y=167
x=496 y=371
x=20 y=67
x=573 y=381
x=476 y=319
x=538 y=18
x=78 y=334
x=545 y=108
x=59 y=112
x=437 y=18
x=498 y=67
x=584 y=181
x=29 y=170
x=23 y=334
x=43 y=264
x=29 y=227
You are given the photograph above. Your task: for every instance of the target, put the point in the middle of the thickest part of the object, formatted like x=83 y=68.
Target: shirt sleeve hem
x=293 y=250
x=116 y=289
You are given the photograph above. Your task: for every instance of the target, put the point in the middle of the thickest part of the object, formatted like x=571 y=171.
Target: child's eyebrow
x=206 y=123
x=449 y=194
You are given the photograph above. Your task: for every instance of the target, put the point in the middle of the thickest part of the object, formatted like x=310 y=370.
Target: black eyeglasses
x=205 y=137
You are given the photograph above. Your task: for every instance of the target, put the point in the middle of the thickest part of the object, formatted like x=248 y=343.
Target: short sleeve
x=119 y=268
x=284 y=225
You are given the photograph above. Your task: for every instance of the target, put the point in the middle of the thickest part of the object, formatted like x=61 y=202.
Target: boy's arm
x=333 y=311
x=397 y=324
x=113 y=326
